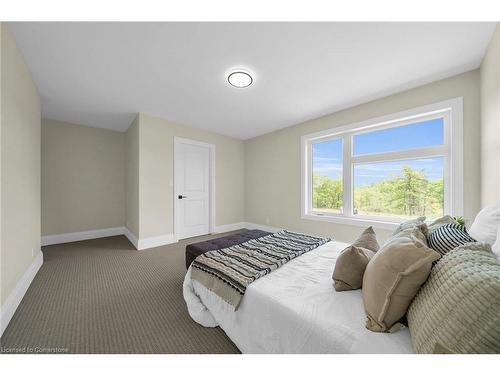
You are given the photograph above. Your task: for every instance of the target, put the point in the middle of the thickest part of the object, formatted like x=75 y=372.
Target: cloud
x=323 y=159
x=327 y=167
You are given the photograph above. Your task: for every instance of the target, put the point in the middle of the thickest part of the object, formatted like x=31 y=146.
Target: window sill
x=360 y=222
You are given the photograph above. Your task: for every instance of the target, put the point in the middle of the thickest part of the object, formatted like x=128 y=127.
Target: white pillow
x=485 y=225
x=496 y=246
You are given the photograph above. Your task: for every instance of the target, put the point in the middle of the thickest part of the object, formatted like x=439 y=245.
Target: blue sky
x=327 y=156
x=421 y=134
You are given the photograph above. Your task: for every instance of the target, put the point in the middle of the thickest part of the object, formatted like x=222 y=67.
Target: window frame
x=452 y=152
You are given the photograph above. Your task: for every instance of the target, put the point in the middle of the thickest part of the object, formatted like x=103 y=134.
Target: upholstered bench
x=195 y=249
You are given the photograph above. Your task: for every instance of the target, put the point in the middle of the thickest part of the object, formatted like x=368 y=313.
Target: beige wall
x=3 y=293
x=83 y=178
x=272 y=168
x=156 y=142
x=20 y=166
x=95 y=178
x=132 y=174
x=490 y=122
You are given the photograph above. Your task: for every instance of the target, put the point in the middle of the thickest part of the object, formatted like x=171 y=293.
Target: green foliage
x=460 y=220
x=327 y=193
x=410 y=194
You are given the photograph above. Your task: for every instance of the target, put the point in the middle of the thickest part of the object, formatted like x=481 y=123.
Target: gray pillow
x=458 y=308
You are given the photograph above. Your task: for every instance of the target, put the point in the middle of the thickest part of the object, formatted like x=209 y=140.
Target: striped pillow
x=448 y=237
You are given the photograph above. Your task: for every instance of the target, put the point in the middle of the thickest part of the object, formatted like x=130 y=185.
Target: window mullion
x=347 y=175
x=417 y=153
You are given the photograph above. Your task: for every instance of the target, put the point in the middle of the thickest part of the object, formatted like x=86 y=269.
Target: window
x=327 y=176
x=385 y=170
x=400 y=189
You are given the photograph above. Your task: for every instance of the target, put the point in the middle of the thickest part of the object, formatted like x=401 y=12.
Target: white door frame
x=211 y=184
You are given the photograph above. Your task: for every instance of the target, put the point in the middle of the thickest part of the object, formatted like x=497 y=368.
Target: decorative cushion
x=496 y=245
x=407 y=232
x=458 y=308
x=485 y=225
x=448 y=237
x=367 y=240
x=351 y=263
x=393 y=277
x=409 y=224
x=438 y=223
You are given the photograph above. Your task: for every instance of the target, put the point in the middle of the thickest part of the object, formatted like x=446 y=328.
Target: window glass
x=403 y=188
x=420 y=134
x=327 y=176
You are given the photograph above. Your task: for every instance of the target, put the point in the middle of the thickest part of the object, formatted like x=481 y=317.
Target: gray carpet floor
x=103 y=296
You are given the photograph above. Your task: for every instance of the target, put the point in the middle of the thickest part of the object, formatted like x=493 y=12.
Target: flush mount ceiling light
x=240 y=79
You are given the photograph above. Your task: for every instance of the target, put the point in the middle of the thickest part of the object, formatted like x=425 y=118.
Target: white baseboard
x=267 y=228
x=80 y=236
x=150 y=242
x=139 y=243
x=245 y=225
x=143 y=243
x=230 y=227
x=15 y=297
x=131 y=237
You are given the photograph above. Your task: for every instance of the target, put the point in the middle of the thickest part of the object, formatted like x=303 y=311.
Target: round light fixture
x=240 y=79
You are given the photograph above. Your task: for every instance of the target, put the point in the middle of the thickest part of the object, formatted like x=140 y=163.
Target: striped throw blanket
x=228 y=272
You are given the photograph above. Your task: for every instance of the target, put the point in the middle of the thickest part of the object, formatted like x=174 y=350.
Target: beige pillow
x=416 y=231
x=351 y=263
x=438 y=223
x=458 y=308
x=367 y=240
x=394 y=276
x=414 y=223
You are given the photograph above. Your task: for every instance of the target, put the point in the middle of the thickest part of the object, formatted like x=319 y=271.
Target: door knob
x=181 y=196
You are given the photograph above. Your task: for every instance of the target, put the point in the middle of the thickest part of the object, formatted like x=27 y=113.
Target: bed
x=295 y=309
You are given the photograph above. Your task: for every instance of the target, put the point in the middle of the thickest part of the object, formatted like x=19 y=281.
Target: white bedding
x=295 y=309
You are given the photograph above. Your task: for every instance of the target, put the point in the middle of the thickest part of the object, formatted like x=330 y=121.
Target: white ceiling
x=101 y=74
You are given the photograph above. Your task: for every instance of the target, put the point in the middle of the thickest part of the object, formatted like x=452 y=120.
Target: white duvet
x=295 y=309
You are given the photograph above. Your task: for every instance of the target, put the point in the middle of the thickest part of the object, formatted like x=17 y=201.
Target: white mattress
x=295 y=309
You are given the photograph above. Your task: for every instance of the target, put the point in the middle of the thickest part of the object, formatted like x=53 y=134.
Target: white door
x=192 y=185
